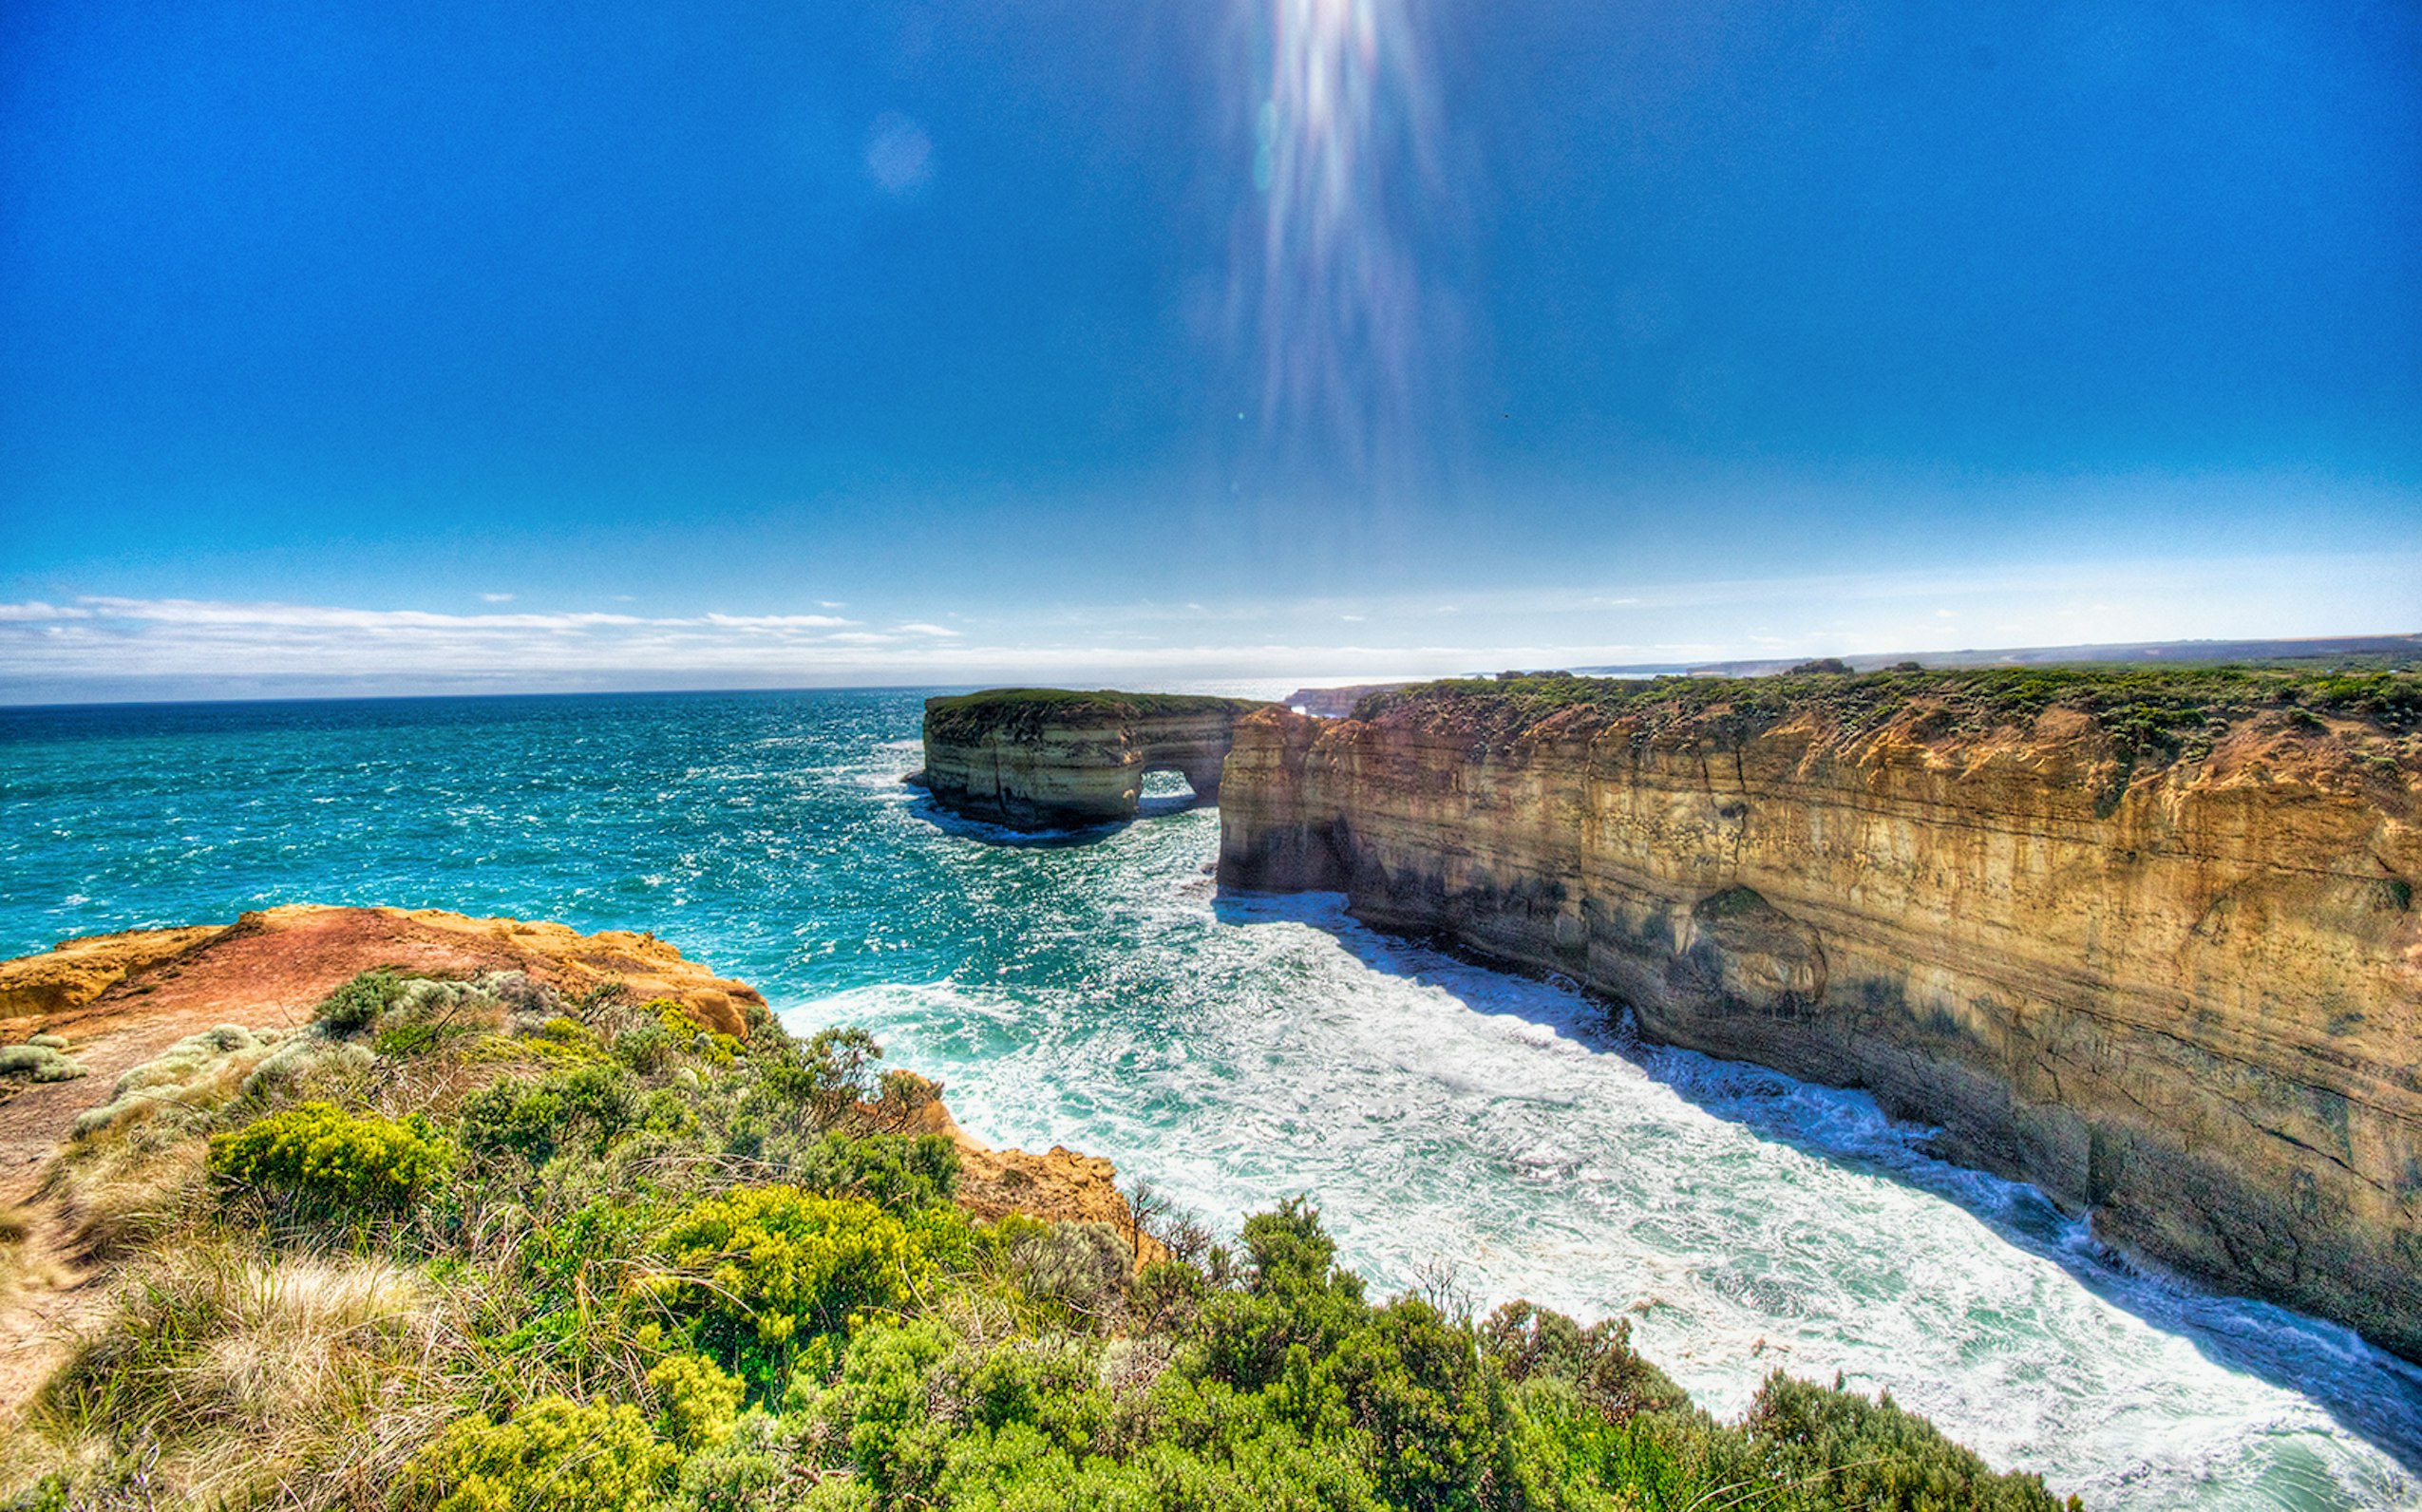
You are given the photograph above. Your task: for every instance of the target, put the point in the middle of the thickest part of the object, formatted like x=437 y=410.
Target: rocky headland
x=1045 y=758
x=2143 y=938
x=116 y=1004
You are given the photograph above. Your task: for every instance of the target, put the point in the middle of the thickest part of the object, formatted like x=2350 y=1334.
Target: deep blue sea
x=1100 y=992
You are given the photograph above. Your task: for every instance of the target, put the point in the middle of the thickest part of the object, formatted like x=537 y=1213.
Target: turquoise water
x=1103 y=994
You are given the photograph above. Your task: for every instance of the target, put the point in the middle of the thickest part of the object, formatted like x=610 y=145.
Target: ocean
x=1456 y=1127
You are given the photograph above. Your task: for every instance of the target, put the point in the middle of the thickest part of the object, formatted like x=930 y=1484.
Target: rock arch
x=1048 y=758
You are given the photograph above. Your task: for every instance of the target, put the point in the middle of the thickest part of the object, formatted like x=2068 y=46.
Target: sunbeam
x=1344 y=163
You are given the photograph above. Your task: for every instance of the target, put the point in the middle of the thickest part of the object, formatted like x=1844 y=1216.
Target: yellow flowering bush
x=553 y=1456
x=331 y=1162
x=762 y=1269
x=712 y=1045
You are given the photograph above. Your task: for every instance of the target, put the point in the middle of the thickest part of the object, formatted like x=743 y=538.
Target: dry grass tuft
x=301 y=1381
x=126 y=1190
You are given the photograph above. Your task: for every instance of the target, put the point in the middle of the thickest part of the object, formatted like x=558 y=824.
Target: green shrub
x=762 y=1269
x=1166 y=1296
x=1875 y=1457
x=358 y=1003
x=1080 y=1269
x=688 y=1034
x=424 y=1013
x=757 y=1469
x=824 y=1079
x=884 y=1406
x=645 y=1048
x=582 y=1110
x=323 y=1161
x=553 y=1456
x=1597 y=1361
x=889 y=1169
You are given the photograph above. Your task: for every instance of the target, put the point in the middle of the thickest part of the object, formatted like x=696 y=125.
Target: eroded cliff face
x=2185 y=995
x=1043 y=758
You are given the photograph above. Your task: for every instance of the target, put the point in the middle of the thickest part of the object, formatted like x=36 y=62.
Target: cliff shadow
x=2369 y=1393
x=1153 y=804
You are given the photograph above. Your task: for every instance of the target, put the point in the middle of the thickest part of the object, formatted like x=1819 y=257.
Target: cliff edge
x=2145 y=938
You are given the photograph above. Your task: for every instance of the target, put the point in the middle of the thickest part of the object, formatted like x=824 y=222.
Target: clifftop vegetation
x=2153 y=714
x=470 y=1246
x=1023 y=710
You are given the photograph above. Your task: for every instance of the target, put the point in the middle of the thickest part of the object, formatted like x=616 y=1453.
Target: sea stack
x=1050 y=758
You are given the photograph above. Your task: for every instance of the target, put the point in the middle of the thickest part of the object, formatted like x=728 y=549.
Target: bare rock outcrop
x=2170 y=972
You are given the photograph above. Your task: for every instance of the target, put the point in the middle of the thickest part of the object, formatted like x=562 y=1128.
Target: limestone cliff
x=1045 y=756
x=2145 y=941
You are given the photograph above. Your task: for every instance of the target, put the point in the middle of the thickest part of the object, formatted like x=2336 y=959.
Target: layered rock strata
x=2182 y=993
x=1047 y=757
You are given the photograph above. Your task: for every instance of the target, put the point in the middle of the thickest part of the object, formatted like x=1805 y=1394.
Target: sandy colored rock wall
x=2186 y=999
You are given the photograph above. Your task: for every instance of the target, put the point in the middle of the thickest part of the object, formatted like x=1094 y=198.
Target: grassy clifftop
x=1023 y=710
x=470 y=1244
x=2152 y=712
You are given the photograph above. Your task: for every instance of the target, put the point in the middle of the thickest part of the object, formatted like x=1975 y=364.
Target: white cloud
x=496 y=598
x=97 y=644
x=777 y=621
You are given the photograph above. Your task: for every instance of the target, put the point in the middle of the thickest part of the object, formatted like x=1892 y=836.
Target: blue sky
x=528 y=347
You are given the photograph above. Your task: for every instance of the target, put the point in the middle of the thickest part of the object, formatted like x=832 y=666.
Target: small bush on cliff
x=889 y=1169
x=39 y=1062
x=581 y=1111
x=695 y=1400
x=1080 y=1271
x=356 y=1004
x=1872 y=1454
x=319 y=1161
x=763 y=1270
x=1529 y=1342
x=553 y=1456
